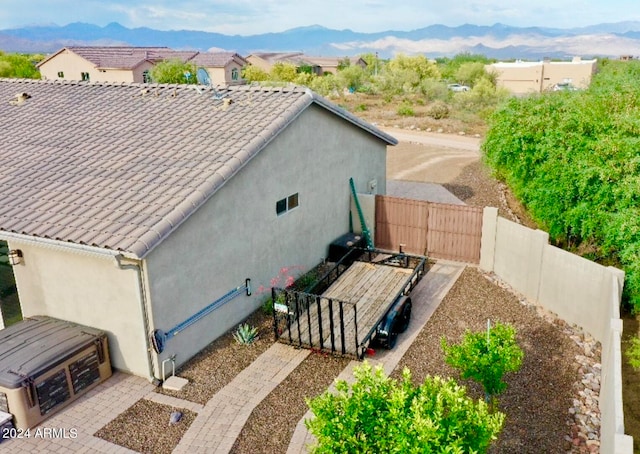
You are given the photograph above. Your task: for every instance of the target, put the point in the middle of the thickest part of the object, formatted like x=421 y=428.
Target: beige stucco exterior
x=86 y=288
x=67 y=65
x=223 y=76
x=522 y=78
x=235 y=235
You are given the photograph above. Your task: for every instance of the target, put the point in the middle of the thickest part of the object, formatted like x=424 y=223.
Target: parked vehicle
x=458 y=87
x=564 y=86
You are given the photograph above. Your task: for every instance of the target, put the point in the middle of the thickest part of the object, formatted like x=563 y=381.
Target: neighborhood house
x=131 y=208
x=525 y=77
x=133 y=64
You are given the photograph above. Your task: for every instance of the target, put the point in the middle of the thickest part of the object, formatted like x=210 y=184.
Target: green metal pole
x=365 y=230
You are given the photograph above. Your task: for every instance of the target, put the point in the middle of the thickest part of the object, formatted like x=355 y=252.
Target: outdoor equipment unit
x=45 y=364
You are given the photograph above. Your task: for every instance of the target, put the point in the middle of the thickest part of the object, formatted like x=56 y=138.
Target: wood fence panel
x=441 y=231
x=401 y=221
x=454 y=232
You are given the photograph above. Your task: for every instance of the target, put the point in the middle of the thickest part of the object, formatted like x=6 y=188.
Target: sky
x=250 y=17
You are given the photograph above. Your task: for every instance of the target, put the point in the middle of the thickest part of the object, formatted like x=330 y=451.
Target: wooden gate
x=438 y=230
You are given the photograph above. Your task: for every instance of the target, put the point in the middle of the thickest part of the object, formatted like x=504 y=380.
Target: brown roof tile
x=121 y=166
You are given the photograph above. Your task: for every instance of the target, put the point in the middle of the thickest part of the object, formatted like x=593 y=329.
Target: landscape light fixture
x=15 y=256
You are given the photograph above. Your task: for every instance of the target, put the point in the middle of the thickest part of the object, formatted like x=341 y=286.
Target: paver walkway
x=217 y=426
x=219 y=422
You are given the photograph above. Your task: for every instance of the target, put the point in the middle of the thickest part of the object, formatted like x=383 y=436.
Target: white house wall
x=86 y=289
x=237 y=234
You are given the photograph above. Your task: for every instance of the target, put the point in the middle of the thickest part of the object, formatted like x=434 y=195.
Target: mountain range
x=496 y=41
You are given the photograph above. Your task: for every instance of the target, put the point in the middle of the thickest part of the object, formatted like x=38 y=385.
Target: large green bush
x=379 y=415
x=572 y=158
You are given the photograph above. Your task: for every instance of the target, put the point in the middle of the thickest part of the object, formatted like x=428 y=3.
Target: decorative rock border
x=583 y=416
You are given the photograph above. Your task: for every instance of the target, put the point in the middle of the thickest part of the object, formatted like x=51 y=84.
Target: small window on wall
x=234 y=74
x=286 y=204
x=60 y=74
x=85 y=76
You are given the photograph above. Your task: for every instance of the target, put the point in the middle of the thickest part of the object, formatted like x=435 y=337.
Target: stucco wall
x=87 y=289
x=533 y=77
x=72 y=65
x=237 y=234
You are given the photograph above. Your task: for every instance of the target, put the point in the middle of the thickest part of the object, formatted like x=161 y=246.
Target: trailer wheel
x=405 y=316
x=392 y=339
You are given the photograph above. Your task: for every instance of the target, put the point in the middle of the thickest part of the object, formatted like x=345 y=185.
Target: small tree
x=485 y=356
x=254 y=74
x=378 y=414
x=174 y=72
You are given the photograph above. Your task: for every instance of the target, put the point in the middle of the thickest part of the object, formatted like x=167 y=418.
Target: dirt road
x=430 y=157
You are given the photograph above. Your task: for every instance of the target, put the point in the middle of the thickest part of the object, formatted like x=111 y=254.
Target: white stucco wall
x=237 y=234
x=87 y=289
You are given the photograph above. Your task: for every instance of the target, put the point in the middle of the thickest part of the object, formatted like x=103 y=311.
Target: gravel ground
x=539 y=396
x=537 y=401
x=145 y=428
x=215 y=366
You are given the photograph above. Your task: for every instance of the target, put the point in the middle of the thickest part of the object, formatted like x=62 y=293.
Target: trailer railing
x=309 y=320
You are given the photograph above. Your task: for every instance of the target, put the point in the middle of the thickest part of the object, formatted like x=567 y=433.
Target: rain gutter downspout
x=137 y=266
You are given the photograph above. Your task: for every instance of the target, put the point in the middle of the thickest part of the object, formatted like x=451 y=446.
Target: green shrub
x=485 y=356
x=406 y=109
x=438 y=110
x=633 y=353
x=246 y=334
x=572 y=159
x=379 y=415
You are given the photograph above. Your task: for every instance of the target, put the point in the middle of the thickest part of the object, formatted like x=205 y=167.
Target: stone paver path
x=219 y=423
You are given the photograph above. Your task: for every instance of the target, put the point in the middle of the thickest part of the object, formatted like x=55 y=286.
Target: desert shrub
x=245 y=334
x=406 y=109
x=377 y=414
x=434 y=90
x=633 y=353
x=485 y=356
x=438 y=110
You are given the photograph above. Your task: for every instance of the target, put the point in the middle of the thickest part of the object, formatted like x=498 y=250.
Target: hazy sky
x=248 y=17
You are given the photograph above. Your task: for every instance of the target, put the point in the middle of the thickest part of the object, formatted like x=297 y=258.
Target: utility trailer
x=355 y=305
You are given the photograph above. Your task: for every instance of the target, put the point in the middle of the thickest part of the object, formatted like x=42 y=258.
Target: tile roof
x=125 y=57
x=120 y=166
x=216 y=59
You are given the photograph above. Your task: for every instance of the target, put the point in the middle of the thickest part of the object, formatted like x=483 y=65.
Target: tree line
x=573 y=159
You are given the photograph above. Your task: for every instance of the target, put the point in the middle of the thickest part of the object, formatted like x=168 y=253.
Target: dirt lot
x=430 y=157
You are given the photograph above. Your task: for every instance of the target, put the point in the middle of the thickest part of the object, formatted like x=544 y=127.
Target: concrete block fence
x=579 y=291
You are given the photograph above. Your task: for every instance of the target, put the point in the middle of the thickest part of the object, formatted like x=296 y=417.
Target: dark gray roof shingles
x=120 y=166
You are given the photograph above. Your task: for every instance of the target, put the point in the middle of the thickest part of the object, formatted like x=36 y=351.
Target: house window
x=286 y=204
x=60 y=74
x=85 y=76
x=234 y=74
x=146 y=77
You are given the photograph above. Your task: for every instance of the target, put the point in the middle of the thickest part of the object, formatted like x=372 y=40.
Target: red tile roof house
x=136 y=206
x=132 y=64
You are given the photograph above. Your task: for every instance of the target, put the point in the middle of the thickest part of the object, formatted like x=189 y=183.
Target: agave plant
x=246 y=334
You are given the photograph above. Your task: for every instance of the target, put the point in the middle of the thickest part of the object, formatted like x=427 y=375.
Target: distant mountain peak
x=499 y=40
